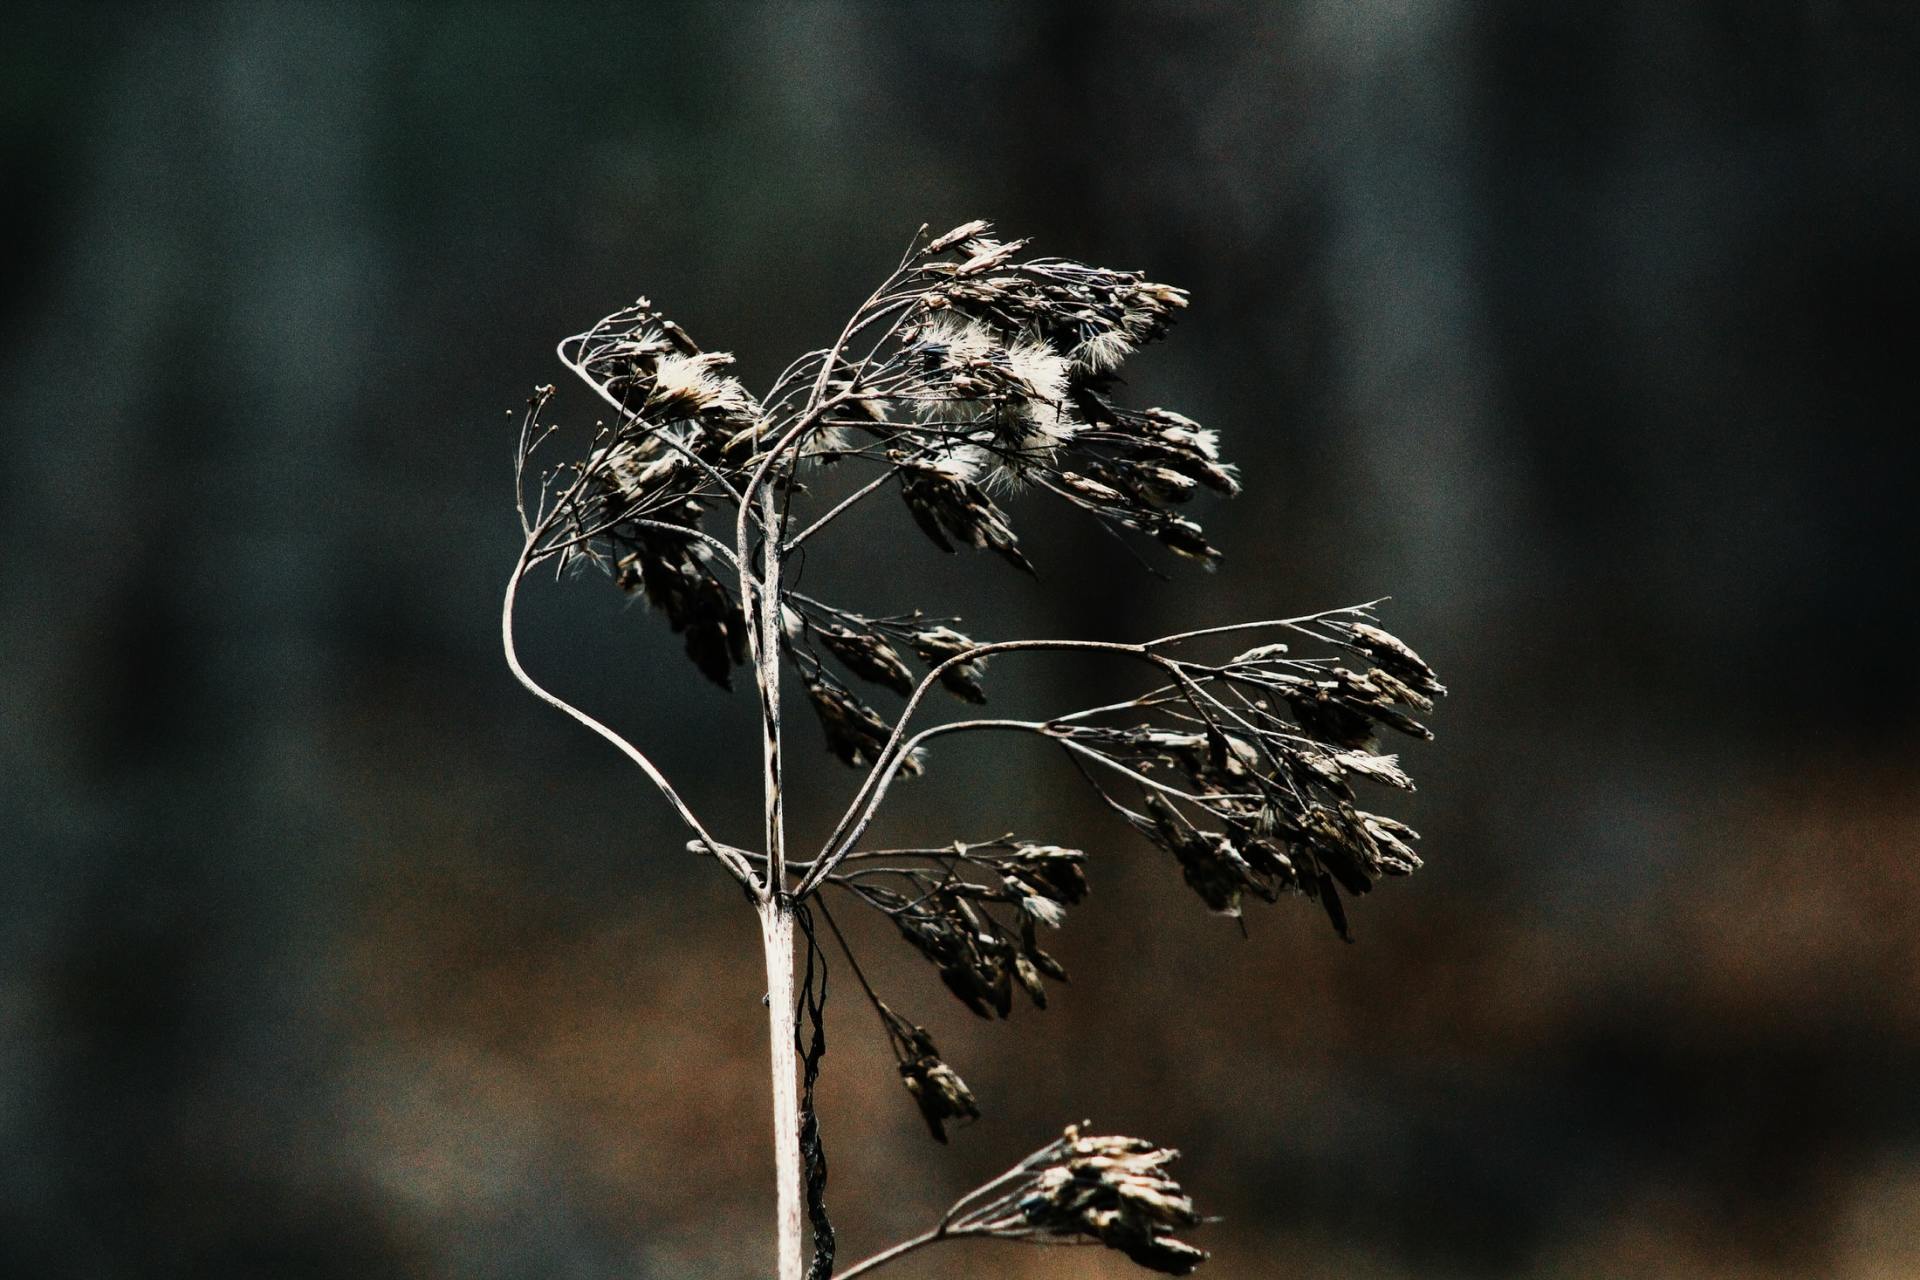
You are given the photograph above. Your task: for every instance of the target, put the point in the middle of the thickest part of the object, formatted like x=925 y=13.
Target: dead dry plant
x=972 y=373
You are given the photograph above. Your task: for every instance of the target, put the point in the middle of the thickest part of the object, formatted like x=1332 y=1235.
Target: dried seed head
x=678 y=581
x=1210 y=863
x=985 y=254
x=947 y=506
x=868 y=656
x=1380 y=768
x=936 y=1088
x=955 y=343
x=1267 y=805
x=978 y=958
x=979 y=976
x=855 y=732
x=1103 y=352
x=689 y=386
x=936 y=645
x=1388 y=651
x=1043 y=374
x=940 y=1093
x=965 y=231
x=1045 y=871
x=1109 y=1190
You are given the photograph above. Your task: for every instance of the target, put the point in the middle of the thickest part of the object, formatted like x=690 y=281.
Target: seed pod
x=935 y=645
x=868 y=656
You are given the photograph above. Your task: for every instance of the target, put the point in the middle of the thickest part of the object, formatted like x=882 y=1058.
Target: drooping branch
x=1247 y=800
x=726 y=856
x=867 y=799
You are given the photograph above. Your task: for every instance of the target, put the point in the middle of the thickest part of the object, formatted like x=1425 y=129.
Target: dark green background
x=1580 y=330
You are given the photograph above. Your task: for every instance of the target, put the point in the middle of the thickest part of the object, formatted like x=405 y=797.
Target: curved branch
x=898 y=1251
x=866 y=802
x=818 y=402
x=720 y=851
x=1152 y=784
x=860 y=812
x=1294 y=624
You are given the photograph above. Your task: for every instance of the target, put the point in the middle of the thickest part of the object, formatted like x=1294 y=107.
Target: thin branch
x=739 y=868
x=945 y=1228
x=885 y=767
x=524 y=451
x=898 y=1251
x=1295 y=624
x=840 y=508
x=1080 y=748
x=853 y=962
x=658 y=526
x=866 y=801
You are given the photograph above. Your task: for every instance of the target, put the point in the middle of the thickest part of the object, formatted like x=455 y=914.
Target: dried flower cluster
x=937 y=1088
x=998 y=378
x=1086 y=1189
x=989 y=372
x=973 y=375
x=950 y=919
x=870 y=649
x=974 y=911
x=1246 y=770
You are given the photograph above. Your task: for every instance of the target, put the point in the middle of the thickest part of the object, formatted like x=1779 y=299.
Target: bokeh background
x=1576 y=329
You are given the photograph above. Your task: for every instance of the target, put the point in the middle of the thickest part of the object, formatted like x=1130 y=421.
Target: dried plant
x=972 y=375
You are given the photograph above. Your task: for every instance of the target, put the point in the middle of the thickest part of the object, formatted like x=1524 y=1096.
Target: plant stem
x=900 y=1250
x=775 y=907
x=776 y=936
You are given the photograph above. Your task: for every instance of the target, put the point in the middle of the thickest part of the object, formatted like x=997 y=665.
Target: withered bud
x=1045 y=871
x=1397 y=690
x=986 y=254
x=1183 y=537
x=1390 y=652
x=979 y=961
x=1343 y=708
x=943 y=931
x=1209 y=862
x=1391 y=838
x=868 y=656
x=948 y=507
x=1380 y=768
x=1091 y=490
x=937 y=1088
x=1163 y=483
x=965 y=231
x=855 y=732
x=935 y=645
x=678 y=582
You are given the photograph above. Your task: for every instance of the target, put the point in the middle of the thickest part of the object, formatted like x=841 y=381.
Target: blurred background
x=329 y=952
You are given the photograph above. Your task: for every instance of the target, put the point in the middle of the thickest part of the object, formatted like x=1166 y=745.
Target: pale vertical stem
x=776 y=908
x=767 y=664
x=776 y=936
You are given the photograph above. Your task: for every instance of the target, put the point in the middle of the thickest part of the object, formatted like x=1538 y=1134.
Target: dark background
x=329 y=952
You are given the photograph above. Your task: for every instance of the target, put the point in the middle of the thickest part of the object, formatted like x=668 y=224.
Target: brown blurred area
x=329 y=952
